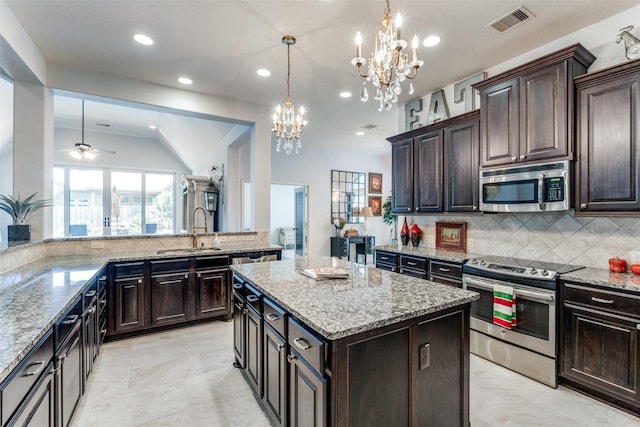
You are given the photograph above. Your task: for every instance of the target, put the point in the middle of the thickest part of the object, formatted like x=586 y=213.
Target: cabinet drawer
x=274 y=316
x=447 y=281
x=414 y=263
x=603 y=299
x=446 y=269
x=253 y=298
x=212 y=262
x=129 y=269
x=420 y=274
x=307 y=345
x=25 y=375
x=169 y=266
x=386 y=258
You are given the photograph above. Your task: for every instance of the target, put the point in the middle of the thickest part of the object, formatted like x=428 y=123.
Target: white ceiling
x=220 y=44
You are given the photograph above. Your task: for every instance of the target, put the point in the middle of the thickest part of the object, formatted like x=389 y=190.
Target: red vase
x=416 y=234
x=404 y=233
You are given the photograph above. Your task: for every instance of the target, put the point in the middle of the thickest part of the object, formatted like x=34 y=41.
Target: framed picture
x=375 y=203
x=375 y=183
x=451 y=236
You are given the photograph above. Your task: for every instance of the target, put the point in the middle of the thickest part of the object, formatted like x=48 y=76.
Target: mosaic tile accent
x=549 y=236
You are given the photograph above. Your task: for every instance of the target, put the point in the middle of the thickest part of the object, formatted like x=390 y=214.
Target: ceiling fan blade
x=99 y=150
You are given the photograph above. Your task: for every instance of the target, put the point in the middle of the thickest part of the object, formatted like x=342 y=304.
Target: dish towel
x=504 y=306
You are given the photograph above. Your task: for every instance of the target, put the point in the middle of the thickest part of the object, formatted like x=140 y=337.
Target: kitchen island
x=375 y=349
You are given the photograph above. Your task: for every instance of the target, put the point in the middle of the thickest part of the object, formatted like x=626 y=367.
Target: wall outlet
x=469 y=243
x=97 y=244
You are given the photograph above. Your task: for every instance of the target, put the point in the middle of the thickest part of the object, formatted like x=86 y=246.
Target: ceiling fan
x=83 y=150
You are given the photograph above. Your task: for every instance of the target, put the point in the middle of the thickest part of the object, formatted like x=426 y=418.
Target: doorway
x=290 y=219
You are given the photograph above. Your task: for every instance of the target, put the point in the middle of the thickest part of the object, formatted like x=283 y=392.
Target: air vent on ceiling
x=512 y=19
x=103 y=124
x=369 y=126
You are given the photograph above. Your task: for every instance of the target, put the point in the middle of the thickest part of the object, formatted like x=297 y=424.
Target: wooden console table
x=341 y=246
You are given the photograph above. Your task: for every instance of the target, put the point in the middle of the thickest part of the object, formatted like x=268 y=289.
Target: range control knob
x=474 y=261
x=545 y=272
x=482 y=263
x=533 y=270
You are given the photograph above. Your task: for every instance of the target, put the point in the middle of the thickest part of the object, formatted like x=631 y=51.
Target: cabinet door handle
x=272 y=317
x=40 y=367
x=446 y=270
x=393 y=269
x=384 y=258
x=186 y=275
x=583 y=206
x=401 y=271
x=301 y=343
x=602 y=300
x=252 y=298
x=291 y=358
x=199 y=275
x=90 y=294
x=523 y=156
x=411 y=263
x=103 y=301
x=139 y=281
x=92 y=310
x=70 y=320
x=417 y=209
x=237 y=286
x=514 y=158
x=280 y=347
x=474 y=208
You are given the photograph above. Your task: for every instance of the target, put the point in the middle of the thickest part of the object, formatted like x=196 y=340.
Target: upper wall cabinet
x=608 y=134
x=435 y=168
x=526 y=114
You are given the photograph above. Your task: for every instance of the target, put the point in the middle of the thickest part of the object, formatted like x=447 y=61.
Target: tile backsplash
x=552 y=236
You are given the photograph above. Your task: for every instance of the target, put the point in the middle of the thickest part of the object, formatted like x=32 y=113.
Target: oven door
x=535 y=309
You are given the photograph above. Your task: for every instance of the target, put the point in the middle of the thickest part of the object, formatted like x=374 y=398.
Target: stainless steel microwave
x=538 y=187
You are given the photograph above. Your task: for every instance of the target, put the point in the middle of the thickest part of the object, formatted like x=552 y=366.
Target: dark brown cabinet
x=386 y=260
x=169 y=298
x=435 y=168
x=414 y=266
x=38 y=409
x=129 y=303
x=526 y=113
x=275 y=375
x=212 y=293
x=90 y=332
x=68 y=364
x=600 y=349
x=608 y=135
x=253 y=334
x=446 y=272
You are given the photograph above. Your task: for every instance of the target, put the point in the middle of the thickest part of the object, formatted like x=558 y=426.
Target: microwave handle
x=541 y=191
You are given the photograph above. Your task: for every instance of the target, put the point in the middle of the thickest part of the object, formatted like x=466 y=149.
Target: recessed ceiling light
x=153 y=127
x=185 y=80
x=263 y=72
x=345 y=94
x=431 y=41
x=360 y=133
x=142 y=39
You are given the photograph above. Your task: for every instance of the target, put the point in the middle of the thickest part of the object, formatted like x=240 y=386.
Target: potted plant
x=19 y=210
x=389 y=218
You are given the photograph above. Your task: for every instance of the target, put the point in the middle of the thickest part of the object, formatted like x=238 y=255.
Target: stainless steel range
x=530 y=347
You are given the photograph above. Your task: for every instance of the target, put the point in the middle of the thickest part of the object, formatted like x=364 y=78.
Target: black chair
x=77 y=230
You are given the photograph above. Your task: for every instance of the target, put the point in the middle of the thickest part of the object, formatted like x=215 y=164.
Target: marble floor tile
x=185 y=377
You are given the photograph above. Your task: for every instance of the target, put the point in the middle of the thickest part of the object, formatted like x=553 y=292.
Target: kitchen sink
x=188 y=250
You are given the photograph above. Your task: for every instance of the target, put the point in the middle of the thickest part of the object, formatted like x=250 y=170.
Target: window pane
x=126 y=215
x=159 y=203
x=85 y=202
x=58 y=202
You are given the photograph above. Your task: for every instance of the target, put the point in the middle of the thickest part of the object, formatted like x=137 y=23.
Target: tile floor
x=186 y=378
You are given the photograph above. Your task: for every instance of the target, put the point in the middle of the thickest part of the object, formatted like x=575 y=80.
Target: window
x=95 y=202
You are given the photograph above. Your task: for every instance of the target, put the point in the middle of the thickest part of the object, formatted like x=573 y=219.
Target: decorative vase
x=416 y=235
x=18 y=232
x=404 y=233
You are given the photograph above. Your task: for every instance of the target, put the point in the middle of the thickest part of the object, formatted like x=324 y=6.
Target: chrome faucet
x=195 y=229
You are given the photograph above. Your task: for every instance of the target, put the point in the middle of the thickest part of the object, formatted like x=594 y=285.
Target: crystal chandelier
x=287 y=126
x=388 y=67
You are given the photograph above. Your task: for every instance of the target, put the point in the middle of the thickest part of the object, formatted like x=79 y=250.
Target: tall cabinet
x=435 y=168
x=527 y=112
x=608 y=134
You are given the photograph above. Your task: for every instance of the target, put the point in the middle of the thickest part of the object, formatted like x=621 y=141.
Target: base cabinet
x=169 y=298
x=307 y=394
x=39 y=406
x=600 y=349
x=129 y=303
x=275 y=376
x=212 y=294
x=254 y=350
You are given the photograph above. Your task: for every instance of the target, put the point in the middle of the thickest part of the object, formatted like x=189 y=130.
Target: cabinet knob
x=475 y=207
x=417 y=209
x=583 y=206
x=139 y=280
x=514 y=158
x=522 y=156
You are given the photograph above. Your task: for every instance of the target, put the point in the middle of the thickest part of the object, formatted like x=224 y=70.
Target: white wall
x=6 y=149
x=283 y=199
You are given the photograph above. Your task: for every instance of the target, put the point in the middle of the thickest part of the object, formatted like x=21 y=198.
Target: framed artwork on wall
x=451 y=236
x=375 y=203
x=375 y=183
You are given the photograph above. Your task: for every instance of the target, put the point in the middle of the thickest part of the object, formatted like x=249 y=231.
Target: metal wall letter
x=410 y=118
x=438 y=108
x=463 y=90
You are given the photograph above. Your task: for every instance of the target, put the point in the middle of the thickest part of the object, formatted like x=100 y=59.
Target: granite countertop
x=369 y=299
x=604 y=278
x=34 y=296
x=429 y=252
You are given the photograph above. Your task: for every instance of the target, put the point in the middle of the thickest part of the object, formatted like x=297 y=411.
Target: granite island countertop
x=34 y=296
x=369 y=299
